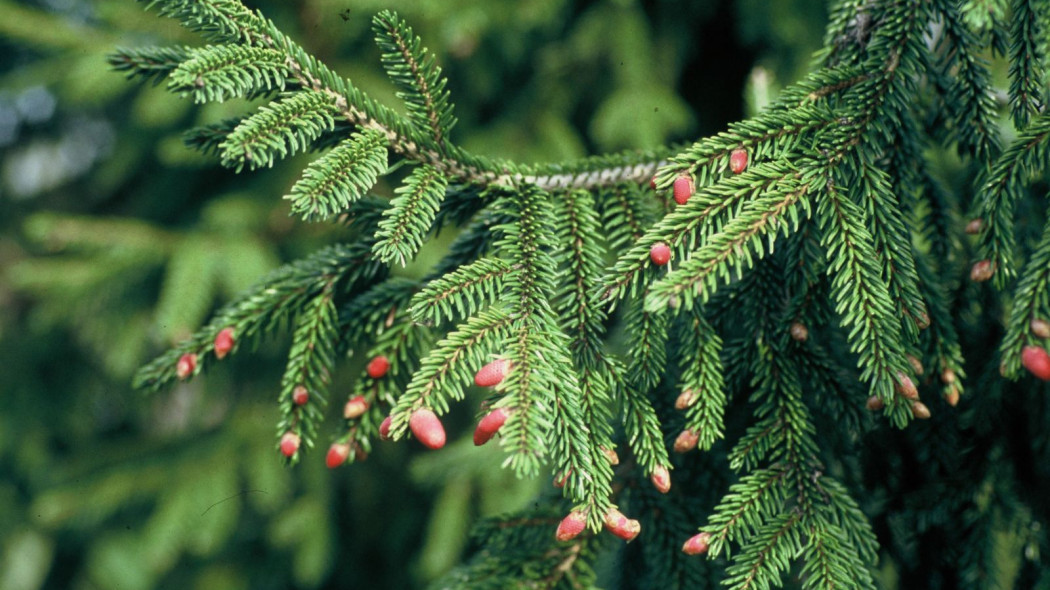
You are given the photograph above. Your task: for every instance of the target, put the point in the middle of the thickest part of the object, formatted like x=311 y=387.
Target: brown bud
x=686 y=441
x=906 y=388
x=919 y=410
x=560 y=481
x=685 y=399
x=1040 y=328
x=621 y=526
x=952 y=397
x=661 y=479
x=982 y=271
x=799 y=332
x=916 y=365
x=697 y=544
x=355 y=407
x=874 y=404
x=923 y=321
x=975 y=226
x=948 y=376
x=571 y=526
x=611 y=455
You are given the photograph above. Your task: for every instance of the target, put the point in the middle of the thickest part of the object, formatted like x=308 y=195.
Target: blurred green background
x=116 y=241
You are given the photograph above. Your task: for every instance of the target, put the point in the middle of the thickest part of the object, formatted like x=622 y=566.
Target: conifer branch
x=1031 y=301
x=340 y=177
x=148 y=63
x=411 y=215
x=461 y=293
x=220 y=72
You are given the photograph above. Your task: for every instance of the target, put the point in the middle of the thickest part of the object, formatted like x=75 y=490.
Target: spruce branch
x=461 y=293
x=411 y=215
x=1031 y=301
x=151 y=64
x=413 y=69
x=278 y=130
x=219 y=72
x=340 y=177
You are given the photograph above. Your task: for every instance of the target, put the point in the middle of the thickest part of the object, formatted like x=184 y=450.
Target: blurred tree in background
x=118 y=241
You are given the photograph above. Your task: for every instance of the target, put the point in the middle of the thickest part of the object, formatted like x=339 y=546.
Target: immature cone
x=652 y=182
x=906 y=387
x=738 y=160
x=337 y=454
x=975 y=226
x=1040 y=328
x=300 y=395
x=571 y=526
x=874 y=404
x=223 y=342
x=289 y=443
x=683 y=189
x=952 y=397
x=661 y=479
x=355 y=407
x=611 y=455
x=916 y=365
x=799 y=332
x=660 y=254
x=384 y=428
x=489 y=426
x=186 y=365
x=982 y=271
x=621 y=526
x=920 y=411
x=492 y=373
x=378 y=367
x=685 y=399
x=686 y=441
x=948 y=376
x=697 y=544
x=427 y=428
x=1035 y=359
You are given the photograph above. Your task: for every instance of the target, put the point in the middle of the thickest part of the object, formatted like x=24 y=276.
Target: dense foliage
x=769 y=302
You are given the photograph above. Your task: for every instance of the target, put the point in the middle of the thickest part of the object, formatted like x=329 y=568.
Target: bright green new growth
x=832 y=225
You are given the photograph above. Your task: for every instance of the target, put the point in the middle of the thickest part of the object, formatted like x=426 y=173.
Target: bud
x=660 y=254
x=621 y=526
x=982 y=271
x=652 y=182
x=571 y=526
x=661 y=479
x=223 y=342
x=685 y=399
x=300 y=395
x=1035 y=359
x=948 y=376
x=697 y=544
x=919 y=410
x=378 y=367
x=489 y=426
x=874 y=404
x=355 y=407
x=289 y=443
x=384 y=428
x=952 y=396
x=1040 y=328
x=186 y=366
x=611 y=455
x=337 y=455
x=686 y=441
x=975 y=226
x=683 y=189
x=427 y=428
x=916 y=365
x=799 y=332
x=905 y=387
x=738 y=160
x=923 y=321
x=492 y=373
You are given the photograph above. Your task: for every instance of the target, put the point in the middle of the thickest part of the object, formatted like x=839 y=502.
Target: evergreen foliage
x=828 y=273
